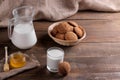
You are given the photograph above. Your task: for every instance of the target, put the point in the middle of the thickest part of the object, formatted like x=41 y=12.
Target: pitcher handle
x=10 y=24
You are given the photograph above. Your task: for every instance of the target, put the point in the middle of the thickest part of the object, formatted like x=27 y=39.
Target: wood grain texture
x=97 y=57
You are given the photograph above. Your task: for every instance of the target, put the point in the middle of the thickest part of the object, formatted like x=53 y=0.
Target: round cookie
x=78 y=31
x=72 y=23
x=71 y=36
x=60 y=36
x=64 y=68
x=54 y=31
x=64 y=27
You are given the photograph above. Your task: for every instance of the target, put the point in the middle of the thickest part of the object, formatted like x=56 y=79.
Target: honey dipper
x=6 y=65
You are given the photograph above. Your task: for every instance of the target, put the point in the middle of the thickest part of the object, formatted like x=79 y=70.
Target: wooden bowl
x=65 y=42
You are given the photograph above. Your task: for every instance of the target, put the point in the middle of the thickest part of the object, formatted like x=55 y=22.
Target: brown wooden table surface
x=97 y=57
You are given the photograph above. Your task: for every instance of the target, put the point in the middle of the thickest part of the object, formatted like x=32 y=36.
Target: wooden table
x=97 y=57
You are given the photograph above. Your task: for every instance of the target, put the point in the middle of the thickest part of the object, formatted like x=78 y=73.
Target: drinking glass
x=55 y=55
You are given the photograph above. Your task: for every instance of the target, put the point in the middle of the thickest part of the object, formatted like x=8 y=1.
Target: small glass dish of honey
x=17 y=60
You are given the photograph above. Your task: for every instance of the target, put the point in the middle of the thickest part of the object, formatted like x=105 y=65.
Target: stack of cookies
x=67 y=31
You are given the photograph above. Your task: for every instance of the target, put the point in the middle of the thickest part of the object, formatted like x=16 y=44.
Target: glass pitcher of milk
x=21 y=30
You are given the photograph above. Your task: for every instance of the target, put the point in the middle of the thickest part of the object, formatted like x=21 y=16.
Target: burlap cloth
x=32 y=62
x=54 y=10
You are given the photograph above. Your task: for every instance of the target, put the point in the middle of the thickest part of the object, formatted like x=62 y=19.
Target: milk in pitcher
x=24 y=35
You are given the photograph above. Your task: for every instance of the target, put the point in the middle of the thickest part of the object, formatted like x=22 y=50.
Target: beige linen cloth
x=32 y=62
x=54 y=10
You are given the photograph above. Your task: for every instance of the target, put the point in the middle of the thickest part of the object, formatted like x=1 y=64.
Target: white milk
x=24 y=36
x=54 y=57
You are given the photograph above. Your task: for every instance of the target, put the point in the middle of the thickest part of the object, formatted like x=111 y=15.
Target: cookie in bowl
x=70 y=36
x=66 y=33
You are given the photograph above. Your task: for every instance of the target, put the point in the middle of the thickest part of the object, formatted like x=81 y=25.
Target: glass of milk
x=21 y=30
x=55 y=55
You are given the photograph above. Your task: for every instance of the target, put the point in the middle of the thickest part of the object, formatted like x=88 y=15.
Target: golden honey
x=17 y=60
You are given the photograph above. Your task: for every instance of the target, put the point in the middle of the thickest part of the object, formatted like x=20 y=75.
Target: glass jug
x=20 y=29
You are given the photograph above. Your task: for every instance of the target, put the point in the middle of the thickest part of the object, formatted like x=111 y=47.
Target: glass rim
x=58 y=48
x=23 y=55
